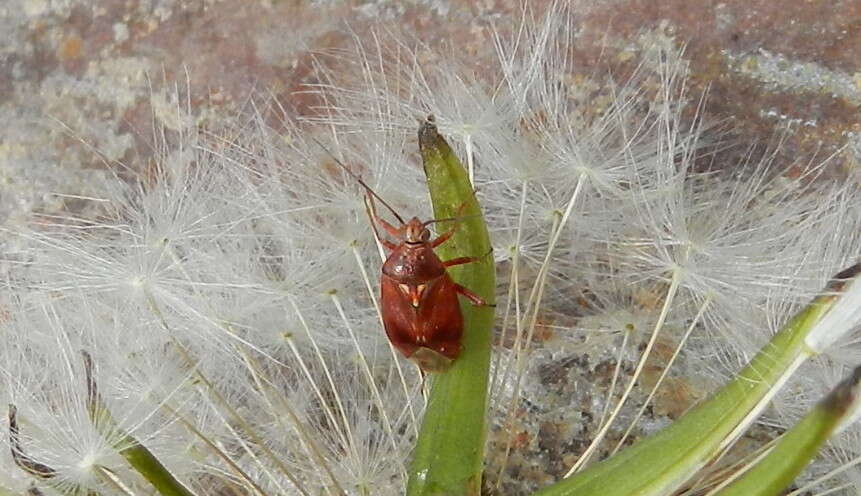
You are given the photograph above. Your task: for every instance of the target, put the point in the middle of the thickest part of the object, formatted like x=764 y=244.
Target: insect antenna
x=448 y=219
x=359 y=180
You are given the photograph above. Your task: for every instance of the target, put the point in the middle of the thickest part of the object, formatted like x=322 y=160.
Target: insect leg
x=388 y=244
x=465 y=260
x=472 y=297
x=442 y=238
x=461 y=261
x=372 y=214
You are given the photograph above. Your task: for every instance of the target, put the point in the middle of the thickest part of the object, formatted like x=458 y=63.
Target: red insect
x=418 y=298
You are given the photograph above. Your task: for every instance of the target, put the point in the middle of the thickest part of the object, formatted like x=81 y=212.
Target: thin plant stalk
x=671 y=294
x=663 y=376
x=234 y=467
x=837 y=471
x=618 y=368
x=367 y=369
x=397 y=362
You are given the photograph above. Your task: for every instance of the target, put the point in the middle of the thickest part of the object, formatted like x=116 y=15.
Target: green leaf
x=660 y=464
x=776 y=471
x=448 y=457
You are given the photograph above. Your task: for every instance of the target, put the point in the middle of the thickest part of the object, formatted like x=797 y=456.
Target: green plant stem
x=448 y=457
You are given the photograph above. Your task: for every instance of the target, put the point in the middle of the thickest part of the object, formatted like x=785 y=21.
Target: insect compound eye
x=425 y=235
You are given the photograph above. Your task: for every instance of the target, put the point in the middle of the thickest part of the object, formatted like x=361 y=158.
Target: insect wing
x=429 y=332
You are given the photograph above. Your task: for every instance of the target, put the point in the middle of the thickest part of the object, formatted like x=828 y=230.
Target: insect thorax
x=413 y=264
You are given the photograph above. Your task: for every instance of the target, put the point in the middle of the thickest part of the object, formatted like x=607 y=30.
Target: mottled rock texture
x=82 y=82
